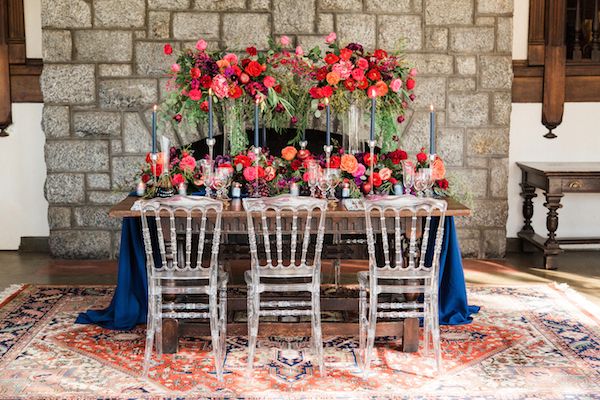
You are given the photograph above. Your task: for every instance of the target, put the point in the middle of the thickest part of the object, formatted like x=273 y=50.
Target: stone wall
x=103 y=71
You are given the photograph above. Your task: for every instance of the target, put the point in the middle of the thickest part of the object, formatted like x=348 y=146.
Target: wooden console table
x=555 y=179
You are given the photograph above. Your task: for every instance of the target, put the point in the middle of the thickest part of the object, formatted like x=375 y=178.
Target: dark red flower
x=242 y=159
x=315 y=92
x=397 y=156
x=204 y=106
x=145 y=178
x=327 y=91
x=363 y=84
x=277 y=88
x=380 y=54
x=350 y=84
x=410 y=84
x=421 y=157
x=374 y=74
x=335 y=162
x=251 y=50
x=195 y=73
x=367 y=159
x=253 y=68
x=235 y=92
x=296 y=164
x=331 y=58
x=400 y=119
x=168 y=49
x=322 y=73
x=375 y=180
x=177 y=117
x=442 y=184
x=206 y=81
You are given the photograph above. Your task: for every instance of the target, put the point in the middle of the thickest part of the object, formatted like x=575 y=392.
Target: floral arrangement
x=182 y=169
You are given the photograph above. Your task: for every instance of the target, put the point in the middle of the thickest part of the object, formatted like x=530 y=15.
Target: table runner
x=128 y=306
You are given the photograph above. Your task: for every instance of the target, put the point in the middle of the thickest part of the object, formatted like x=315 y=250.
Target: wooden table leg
x=170 y=332
x=528 y=193
x=410 y=337
x=551 y=247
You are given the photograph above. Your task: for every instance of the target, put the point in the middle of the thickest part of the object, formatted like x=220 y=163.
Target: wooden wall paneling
x=5 y=106
x=25 y=82
x=536 y=41
x=16 y=32
x=554 y=66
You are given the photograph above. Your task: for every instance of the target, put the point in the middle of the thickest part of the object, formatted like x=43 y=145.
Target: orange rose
x=222 y=64
x=270 y=173
x=385 y=174
x=438 y=170
x=289 y=153
x=349 y=163
x=333 y=78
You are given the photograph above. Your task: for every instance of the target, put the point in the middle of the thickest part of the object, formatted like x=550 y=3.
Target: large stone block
x=340 y=5
x=310 y=41
x=136 y=136
x=487 y=141
x=262 y=5
x=194 y=26
x=107 y=197
x=434 y=64
x=486 y=213
x=151 y=59
x=246 y=29
x=103 y=46
x=324 y=23
x=448 y=12
x=472 y=39
x=501 y=107
x=416 y=133
x=495 y=6
x=430 y=90
x=294 y=16
x=98 y=181
x=114 y=70
x=220 y=5
x=124 y=169
x=159 y=24
x=77 y=156
x=64 y=188
x=470 y=240
x=127 y=93
x=499 y=177
x=450 y=145
x=84 y=244
x=461 y=84
x=56 y=45
x=476 y=180
x=56 y=122
x=96 y=123
x=388 y=6
x=494 y=243
x=359 y=28
x=468 y=109
x=436 y=38
x=169 y=4
x=59 y=217
x=94 y=217
x=74 y=84
x=504 y=35
x=119 y=14
x=66 y=14
x=495 y=72
x=466 y=65
x=400 y=31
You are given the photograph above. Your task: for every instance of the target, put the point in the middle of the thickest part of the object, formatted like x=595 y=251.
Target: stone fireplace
x=103 y=70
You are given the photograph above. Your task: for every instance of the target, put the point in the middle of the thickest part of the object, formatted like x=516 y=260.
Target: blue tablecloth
x=129 y=304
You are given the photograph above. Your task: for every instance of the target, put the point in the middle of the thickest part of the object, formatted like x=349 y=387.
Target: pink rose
x=219 y=86
x=195 y=94
x=358 y=74
x=344 y=68
x=412 y=72
x=362 y=63
x=284 y=40
x=395 y=85
x=201 y=45
x=299 y=51
x=175 y=68
x=250 y=173
x=269 y=81
x=177 y=180
x=385 y=174
x=360 y=171
x=187 y=163
x=330 y=38
x=231 y=58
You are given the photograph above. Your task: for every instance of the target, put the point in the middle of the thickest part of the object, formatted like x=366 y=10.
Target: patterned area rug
x=539 y=342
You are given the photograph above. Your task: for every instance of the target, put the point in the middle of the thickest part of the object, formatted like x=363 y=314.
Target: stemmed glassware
x=313 y=177
x=221 y=182
x=423 y=181
x=408 y=175
x=207 y=174
x=328 y=181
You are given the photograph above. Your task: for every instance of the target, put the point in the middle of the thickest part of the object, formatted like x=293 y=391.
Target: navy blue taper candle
x=256 y=123
x=327 y=119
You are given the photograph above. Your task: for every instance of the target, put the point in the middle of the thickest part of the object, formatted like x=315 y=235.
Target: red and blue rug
x=535 y=342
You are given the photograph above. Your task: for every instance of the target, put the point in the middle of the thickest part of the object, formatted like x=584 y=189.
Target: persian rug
x=534 y=342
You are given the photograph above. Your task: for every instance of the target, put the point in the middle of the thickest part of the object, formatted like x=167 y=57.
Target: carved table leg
x=528 y=193
x=410 y=337
x=170 y=332
x=551 y=246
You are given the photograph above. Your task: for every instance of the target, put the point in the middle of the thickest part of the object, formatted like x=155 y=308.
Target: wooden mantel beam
x=5 y=101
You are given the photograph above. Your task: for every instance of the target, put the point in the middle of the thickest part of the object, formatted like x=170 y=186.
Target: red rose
x=245 y=62
x=206 y=81
x=380 y=54
x=251 y=50
x=397 y=156
x=327 y=91
x=410 y=84
x=277 y=88
x=242 y=159
x=145 y=178
x=168 y=49
x=156 y=169
x=442 y=184
x=235 y=92
x=345 y=54
x=374 y=74
x=375 y=180
x=350 y=84
x=393 y=180
x=421 y=157
x=269 y=81
x=204 y=106
x=254 y=68
x=177 y=179
x=331 y=58
x=195 y=73
x=303 y=154
x=322 y=73
x=195 y=94
x=296 y=164
x=366 y=187
x=363 y=84
x=335 y=162
x=315 y=92
x=368 y=161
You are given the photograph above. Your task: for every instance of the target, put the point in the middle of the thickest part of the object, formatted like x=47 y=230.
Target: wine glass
x=207 y=174
x=423 y=180
x=408 y=175
x=313 y=177
x=221 y=182
x=334 y=179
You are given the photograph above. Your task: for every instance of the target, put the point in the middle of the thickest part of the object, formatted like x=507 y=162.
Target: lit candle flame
x=326 y=100
x=373 y=93
x=431 y=107
x=155 y=107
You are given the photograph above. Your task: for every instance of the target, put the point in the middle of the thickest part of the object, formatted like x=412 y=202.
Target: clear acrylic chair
x=295 y=225
x=399 y=272
x=188 y=269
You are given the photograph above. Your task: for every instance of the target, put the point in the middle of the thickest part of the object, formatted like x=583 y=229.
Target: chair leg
x=435 y=330
x=223 y=325
x=159 y=336
x=372 y=323
x=362 y=320
x=215 y=334
x=426 y=327
x=317 y=333
x=253 y=319
x=149 y=336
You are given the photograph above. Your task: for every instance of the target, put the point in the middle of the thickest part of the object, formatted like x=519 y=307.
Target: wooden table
x=555 y=179
x=339 y=298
